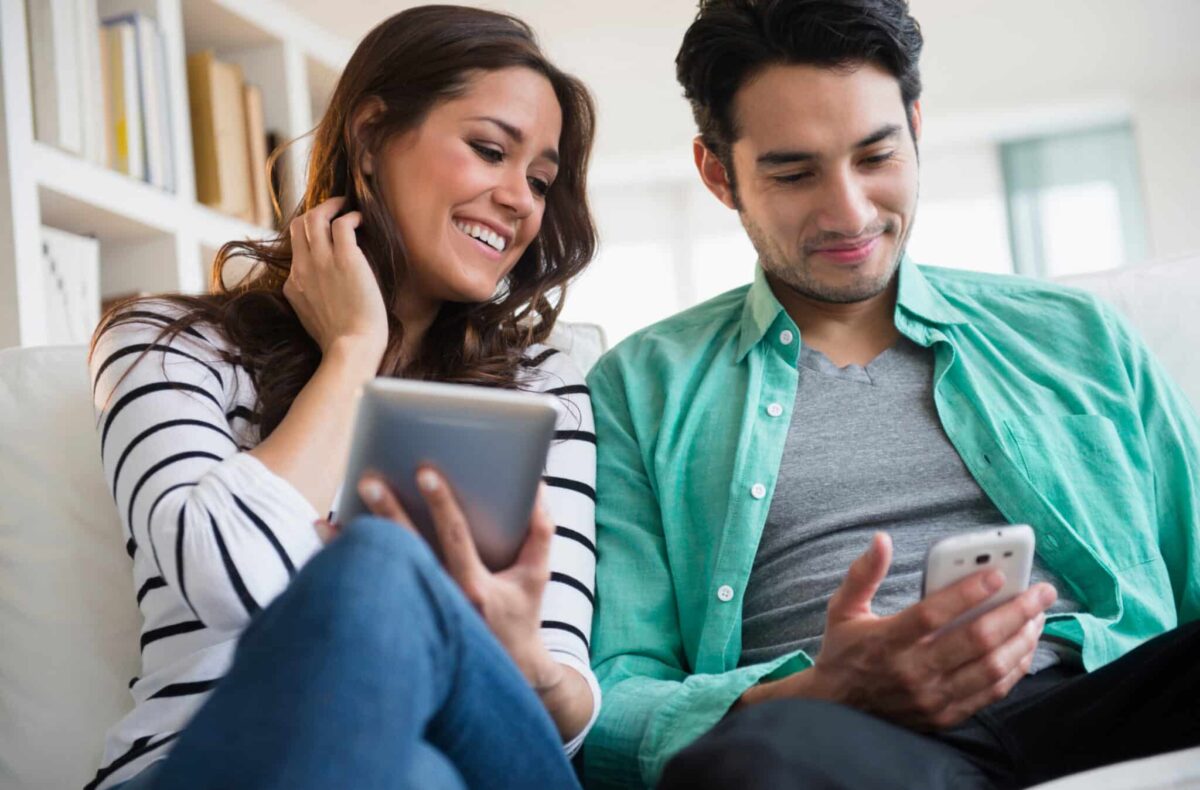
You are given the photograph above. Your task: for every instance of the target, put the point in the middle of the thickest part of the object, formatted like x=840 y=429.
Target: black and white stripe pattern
x=215 y=536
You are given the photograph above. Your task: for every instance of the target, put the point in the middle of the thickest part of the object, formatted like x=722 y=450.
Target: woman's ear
x=367 y=112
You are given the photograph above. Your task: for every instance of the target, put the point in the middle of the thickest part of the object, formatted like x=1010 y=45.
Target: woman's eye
x=488 y=153
x=540 y=186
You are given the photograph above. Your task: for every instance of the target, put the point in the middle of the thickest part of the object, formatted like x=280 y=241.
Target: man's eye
x=488 y=153
x=792 y=178
x=879 y=159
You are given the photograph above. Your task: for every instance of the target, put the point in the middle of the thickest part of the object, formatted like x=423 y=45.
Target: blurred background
x=1058 y=139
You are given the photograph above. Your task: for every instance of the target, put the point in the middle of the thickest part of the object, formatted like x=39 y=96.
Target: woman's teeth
x=489 y=238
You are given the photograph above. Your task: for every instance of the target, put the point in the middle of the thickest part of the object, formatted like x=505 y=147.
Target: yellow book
x=220 y=147
x=123 y=102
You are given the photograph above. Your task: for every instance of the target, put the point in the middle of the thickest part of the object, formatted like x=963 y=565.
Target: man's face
x=826 y=177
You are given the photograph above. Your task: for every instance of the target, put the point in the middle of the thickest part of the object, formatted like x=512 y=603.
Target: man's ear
x=916 y=121
x=713 y=173
x=366 y=112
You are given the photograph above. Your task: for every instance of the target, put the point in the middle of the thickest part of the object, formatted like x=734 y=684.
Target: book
x=108 y=101
x=256 y=134
x=219 y=139
x=124 y=98
x=56 y=73
x=166 y=117
x=95 y=131
x=150 y=70
x=71 y=268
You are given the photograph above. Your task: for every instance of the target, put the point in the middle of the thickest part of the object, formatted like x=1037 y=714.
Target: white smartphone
x=1007 y=549
x=490 y=444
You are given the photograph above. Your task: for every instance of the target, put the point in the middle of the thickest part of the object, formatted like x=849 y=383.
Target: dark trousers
x=1054 y=723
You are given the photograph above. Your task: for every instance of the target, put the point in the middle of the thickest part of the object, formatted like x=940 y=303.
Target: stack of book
x=133 y=65
x=68 y=87
x=100 y=88
x=101 y=91
x=229 y=140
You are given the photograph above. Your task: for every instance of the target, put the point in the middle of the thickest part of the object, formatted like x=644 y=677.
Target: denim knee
x=374 y=564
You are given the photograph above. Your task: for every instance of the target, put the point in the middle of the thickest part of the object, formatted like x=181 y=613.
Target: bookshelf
x=150 y=239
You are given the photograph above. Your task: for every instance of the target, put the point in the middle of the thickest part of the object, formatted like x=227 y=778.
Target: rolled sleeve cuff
x=697 y=707
x=566 y=659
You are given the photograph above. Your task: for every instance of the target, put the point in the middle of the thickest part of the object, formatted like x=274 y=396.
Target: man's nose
x=845 y=207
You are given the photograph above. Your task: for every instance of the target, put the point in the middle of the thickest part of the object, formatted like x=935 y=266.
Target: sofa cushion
x=68 y=624
x=1162 y=300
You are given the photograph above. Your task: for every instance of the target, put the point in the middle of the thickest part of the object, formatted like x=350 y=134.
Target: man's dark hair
x=732 y=41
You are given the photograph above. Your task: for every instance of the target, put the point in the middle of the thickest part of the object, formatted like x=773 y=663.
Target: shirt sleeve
x=225 y=533
x=570 y=479
x=654 y=705
x=1172 y=435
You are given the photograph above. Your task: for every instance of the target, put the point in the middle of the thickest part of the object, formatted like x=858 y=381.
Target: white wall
x=1165 y=129
x=961 y=220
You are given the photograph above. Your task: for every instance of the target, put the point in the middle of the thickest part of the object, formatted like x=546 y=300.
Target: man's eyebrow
x=878 y=136
x=517 y=135
x=793 y=157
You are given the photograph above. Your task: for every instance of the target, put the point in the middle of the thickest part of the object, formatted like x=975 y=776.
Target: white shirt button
x=774 y=410
x=725 y=593
x=758 y=490
x=786 y=337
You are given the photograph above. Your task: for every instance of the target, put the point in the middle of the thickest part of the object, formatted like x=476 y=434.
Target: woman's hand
x=331 y=286
x=510 y=600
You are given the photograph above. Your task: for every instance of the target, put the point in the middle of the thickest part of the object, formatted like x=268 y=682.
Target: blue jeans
x=370 y=670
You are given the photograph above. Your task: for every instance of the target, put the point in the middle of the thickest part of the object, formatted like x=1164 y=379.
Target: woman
x=445 y=205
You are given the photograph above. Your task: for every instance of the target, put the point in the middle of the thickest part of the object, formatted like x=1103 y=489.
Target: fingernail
x=371 y=490
x=993 y=581
x=1047 y=596
x=428 y=481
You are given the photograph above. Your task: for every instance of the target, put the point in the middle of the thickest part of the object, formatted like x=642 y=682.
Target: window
x=1074 y=202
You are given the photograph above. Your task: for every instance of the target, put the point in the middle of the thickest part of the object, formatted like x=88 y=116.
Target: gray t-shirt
x=865 y=451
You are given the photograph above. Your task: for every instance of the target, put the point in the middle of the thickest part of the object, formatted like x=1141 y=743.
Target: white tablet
x=490 y=445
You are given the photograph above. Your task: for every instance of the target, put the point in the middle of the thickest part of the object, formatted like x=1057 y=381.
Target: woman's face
x=467 y=187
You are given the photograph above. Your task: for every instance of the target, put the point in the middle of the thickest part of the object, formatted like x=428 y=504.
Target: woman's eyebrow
x=516 y=134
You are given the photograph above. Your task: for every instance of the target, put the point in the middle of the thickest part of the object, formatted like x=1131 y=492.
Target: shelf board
x=84 y=198
x=214 y=25
x=225 y=25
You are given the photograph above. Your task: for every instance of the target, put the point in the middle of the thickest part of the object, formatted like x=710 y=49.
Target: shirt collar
x=758 y=313
x=916 y=296
x=922 y=299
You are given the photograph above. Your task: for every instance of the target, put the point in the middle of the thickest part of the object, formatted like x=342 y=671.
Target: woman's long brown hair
x=402 y=69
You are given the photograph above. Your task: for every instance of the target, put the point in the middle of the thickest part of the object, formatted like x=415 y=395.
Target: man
x=749 y=448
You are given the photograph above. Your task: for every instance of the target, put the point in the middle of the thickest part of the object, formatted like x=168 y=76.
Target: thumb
x=853 y=598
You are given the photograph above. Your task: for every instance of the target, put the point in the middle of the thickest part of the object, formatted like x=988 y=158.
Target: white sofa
x=68 y=623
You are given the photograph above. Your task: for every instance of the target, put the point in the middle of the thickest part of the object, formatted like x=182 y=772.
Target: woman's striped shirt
x=214 y=535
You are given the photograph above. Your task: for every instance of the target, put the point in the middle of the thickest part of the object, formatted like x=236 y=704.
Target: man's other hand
x=908 y=667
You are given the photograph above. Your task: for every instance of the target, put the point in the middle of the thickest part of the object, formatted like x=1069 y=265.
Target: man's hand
x=905 y=667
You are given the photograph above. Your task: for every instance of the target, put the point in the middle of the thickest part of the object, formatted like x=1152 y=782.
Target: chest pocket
x=1082 y=467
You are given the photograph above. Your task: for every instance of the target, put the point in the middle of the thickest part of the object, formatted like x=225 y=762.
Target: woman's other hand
x=331 y=286
x=510 y=600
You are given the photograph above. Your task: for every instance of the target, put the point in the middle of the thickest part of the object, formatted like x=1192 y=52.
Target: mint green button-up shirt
x=1055 y=406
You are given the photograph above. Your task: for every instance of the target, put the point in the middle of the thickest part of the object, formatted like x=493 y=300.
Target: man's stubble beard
x=799 y=278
